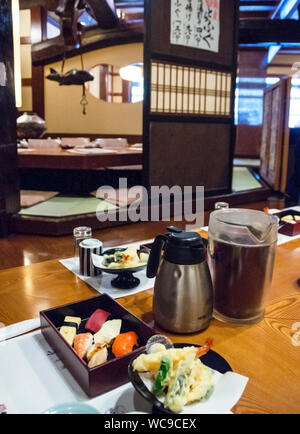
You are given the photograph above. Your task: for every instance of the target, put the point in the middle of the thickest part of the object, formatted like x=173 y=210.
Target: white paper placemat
x=102 y=283
x=92 y=151
x=33 y=379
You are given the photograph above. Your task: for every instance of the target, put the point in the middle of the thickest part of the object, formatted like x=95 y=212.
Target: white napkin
x=102 y=283
x=226 y=392
x=25 y=150
x=93 y=151
x=19 y=328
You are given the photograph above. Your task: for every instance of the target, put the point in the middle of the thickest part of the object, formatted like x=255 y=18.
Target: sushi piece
x=82 y=342
x=124 y=343
x=69 y=328
x=288 y=219
x=96 y=320
x=108 y=332
x=96 y=355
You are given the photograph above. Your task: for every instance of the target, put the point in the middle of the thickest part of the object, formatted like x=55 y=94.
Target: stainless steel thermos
x=183 y=296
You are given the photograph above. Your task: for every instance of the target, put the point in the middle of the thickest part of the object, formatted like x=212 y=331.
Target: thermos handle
x=154 y=258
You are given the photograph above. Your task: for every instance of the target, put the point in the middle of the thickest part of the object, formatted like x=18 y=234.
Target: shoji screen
x=275 y=134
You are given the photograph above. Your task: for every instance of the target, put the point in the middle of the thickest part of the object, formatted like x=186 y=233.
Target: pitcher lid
x=243 y=226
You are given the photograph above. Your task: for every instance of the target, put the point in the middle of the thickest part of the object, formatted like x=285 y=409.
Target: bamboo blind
x=181 y=89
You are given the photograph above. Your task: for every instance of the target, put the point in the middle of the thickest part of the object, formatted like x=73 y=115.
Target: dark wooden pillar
x=38 y=34
x=9 y=186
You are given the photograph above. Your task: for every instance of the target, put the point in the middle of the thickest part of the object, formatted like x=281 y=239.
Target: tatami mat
x=244 y=179
x=61 y=206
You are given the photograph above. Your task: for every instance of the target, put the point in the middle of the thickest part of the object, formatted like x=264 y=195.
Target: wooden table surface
x=57 y=158
x=263 y=352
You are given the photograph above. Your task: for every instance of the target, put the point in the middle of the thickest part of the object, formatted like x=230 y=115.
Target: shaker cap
x=90 y=243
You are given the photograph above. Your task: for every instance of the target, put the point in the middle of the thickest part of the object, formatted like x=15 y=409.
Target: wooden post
x=9 y=187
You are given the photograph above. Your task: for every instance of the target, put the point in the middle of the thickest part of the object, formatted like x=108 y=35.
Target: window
x=249 y=100
x=294 y=121
x=53 y=27
x=137 y=90
x=87 y=20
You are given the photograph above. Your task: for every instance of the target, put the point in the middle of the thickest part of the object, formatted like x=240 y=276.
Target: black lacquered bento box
x=114 y=372
x=289 y=228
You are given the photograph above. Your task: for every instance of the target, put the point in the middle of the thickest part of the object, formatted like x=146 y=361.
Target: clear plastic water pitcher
x=242 y=245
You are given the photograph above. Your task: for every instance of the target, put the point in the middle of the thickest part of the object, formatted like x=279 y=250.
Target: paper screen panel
x=264 y=153
x=180 y=89
x=275 y=129
x=273 y=133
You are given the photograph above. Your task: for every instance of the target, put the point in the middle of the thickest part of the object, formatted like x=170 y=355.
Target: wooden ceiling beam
x=51 y=5
x=52 y=50
x=104 y=13
x=260 y=31
x=245 y=15
x=127 y=4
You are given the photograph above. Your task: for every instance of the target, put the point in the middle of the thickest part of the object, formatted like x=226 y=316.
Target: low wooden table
x=48 y=158
x=263 y=352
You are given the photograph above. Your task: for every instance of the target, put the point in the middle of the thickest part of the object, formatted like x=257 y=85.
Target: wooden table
x=263 y=352
x=49 y=158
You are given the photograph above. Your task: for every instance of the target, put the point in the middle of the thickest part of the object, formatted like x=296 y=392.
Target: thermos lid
x=185 y=248
x=185 y=239
x=180 y=247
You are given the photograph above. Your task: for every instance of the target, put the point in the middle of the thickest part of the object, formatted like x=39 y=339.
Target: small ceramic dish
x=72 y=408
x=125 y=278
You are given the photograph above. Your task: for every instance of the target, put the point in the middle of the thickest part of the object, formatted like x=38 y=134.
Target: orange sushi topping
x=124 y=343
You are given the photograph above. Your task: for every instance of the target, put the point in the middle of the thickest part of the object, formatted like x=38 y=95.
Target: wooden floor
x=18 y=249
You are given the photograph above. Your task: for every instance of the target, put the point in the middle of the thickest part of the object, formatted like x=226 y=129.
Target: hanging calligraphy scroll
x=195 y=24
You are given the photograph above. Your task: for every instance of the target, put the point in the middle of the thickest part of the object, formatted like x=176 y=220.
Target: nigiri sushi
x=96 y=320
x=96 y=355
x=82 y=342
x=69 y=328
x=108 y=332
x=124 y=343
